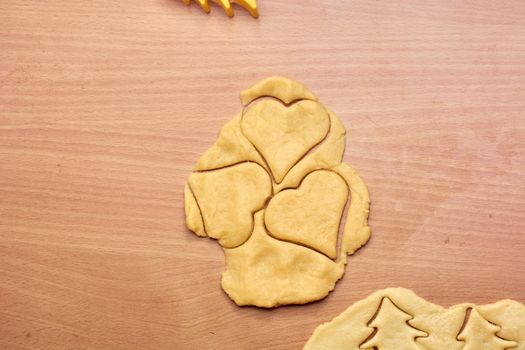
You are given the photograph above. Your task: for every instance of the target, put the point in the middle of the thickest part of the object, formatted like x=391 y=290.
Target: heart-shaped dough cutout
x=310 y=215
x=282 y=134
x=227 y=199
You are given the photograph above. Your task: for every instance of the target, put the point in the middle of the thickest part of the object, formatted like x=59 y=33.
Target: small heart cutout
x=310 y=215
x=282 y=134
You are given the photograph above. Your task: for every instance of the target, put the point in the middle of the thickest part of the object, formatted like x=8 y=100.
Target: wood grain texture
x=105 y=106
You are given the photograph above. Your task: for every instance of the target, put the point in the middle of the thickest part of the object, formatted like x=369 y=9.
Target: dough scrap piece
x=193 y=213
x=356 y=231
x=407 y=321
x=310 y=215
x=228 y=198
x=231 y=147
x=267 y=272
x=284 y=134
x=284 y=89
x=297 y=140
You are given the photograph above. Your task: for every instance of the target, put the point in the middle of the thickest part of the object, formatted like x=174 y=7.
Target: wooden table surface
x=105 y=106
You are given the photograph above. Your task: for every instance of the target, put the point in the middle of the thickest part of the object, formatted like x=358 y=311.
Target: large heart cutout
x=284 y=134
x=310 y=215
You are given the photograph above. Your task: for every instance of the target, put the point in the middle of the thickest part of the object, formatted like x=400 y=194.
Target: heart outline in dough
x=284 y=134
x=310 y=215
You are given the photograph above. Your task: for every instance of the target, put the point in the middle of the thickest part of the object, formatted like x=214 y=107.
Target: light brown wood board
x=106 y=105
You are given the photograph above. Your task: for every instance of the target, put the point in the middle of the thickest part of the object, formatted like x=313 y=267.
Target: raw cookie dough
x=396 y=318
x=284 y=134
x=310 y=214
x=227 y=199
x=273 y=191
x=265 y=270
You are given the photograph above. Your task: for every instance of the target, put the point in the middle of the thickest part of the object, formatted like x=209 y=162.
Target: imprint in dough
x=267 y=272
x=396 y=318
x=279 y=163
x=478 y=333
x=284 y=134
x=310 y=215
x=228 y=198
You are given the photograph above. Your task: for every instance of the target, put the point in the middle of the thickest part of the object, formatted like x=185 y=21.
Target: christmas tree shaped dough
x=391 y=328
x=273 y=191
x=397 y=319
x=481 y=334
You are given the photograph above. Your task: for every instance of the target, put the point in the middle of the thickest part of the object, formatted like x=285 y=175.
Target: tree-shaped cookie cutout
x=398 y=319
x=480 y=334
x=392 y=329
x=274 y=193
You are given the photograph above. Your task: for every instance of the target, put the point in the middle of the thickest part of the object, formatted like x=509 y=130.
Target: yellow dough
x=310 y=214
x=193 y=214
x=282 y=88
x=228 y=198
x=231 y=147
x=397 y=319
x=273 y=191
x=327 y=155
x=356 y=231
x=283 y=134
x=480 y=333
x=267 y=272
x=392 y=328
